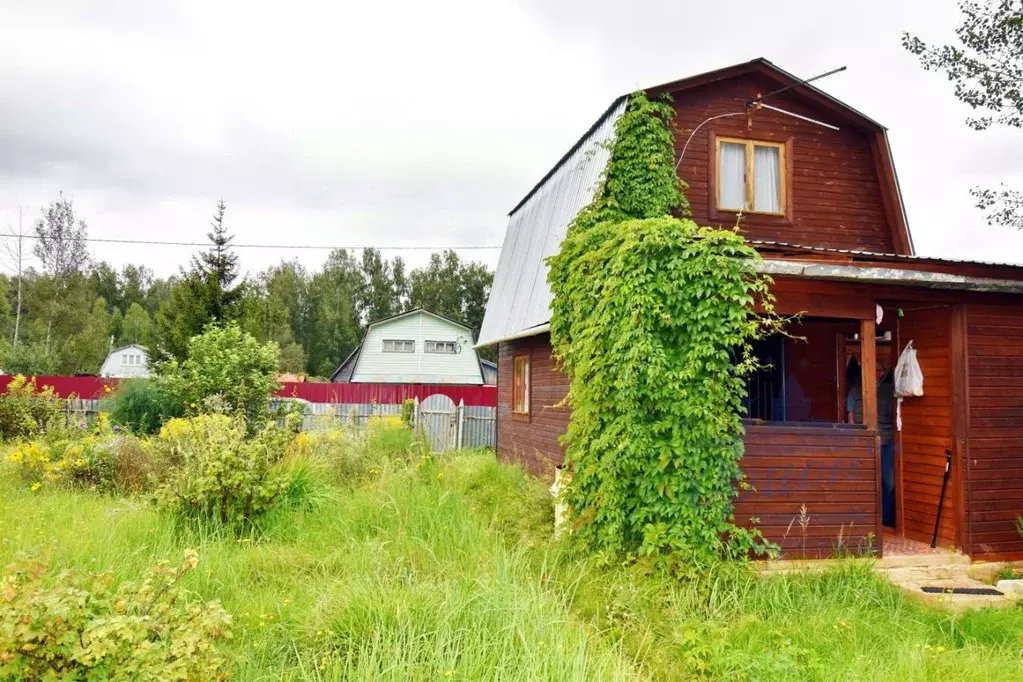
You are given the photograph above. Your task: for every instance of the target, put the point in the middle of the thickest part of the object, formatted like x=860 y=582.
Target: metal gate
x=437 y=419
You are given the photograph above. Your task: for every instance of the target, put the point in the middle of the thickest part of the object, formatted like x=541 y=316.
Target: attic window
x=399 y=346
x=750 y=176
x=449 y=347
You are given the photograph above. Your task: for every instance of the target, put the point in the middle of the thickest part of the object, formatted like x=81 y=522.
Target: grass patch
x=443 y=569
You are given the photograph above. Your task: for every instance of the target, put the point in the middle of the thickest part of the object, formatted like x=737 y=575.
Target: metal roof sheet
x=880 y=254
x=520 y=298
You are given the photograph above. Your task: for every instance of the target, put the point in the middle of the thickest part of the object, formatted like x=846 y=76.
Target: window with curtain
x=750 y=176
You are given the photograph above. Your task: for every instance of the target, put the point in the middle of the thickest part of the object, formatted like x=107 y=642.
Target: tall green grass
x=445 y=571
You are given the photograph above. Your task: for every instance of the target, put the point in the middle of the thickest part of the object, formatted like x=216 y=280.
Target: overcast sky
x=421 y=123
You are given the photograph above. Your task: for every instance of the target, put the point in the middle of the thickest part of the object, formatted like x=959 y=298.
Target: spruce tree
x=217 y=268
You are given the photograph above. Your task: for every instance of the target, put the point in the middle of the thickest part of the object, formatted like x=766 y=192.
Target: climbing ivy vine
x=653 y=319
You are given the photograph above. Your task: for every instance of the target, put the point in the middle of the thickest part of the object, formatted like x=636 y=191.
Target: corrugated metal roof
x=880 y=254
x=520 y=298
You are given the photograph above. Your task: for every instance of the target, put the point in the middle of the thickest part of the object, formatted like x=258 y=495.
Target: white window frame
x=399 y=346
x=441 y=347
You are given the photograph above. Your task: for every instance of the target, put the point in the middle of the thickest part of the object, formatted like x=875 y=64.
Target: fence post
x=461 y=422
x=415 y=413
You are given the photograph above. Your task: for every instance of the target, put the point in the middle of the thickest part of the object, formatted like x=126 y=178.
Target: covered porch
x=829 y=470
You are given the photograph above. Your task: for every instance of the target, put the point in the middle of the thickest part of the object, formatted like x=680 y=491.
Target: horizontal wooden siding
x=994 y=341
x=833 y=471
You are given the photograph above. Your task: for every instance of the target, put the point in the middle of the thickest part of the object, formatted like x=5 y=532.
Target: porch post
x=868 y=388
x=868 y=376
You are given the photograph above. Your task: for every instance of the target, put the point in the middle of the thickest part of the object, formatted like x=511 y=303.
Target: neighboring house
x=127 y=362
x=417 y=347
x=828 y=219
x=489 y=372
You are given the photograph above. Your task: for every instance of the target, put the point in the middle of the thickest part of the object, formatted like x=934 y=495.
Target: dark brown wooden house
x=824 y=210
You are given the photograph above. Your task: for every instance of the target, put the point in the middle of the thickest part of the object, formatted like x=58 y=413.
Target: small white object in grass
x=560 y=507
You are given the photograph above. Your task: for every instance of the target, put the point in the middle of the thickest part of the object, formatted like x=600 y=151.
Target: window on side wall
x=399 y=346
x=449 y=347
x=750 y=176
x=520 y=384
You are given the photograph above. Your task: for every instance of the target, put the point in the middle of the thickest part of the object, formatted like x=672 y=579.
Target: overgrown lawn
x=445 y=571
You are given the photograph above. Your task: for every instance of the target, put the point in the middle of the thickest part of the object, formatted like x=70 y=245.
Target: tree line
x=62 y=311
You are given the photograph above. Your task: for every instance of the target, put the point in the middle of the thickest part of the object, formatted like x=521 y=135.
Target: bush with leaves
x=227 y=362
x=143 y=406
x=408 y=412
x=652 y=320
x=98 y=457
x=26 y=410
x=217 y=474
x=70 y=626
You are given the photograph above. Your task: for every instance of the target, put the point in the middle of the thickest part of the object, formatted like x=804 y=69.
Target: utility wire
x=474 y=247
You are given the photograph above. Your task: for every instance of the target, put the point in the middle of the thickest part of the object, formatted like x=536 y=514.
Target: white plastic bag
x=909 y=380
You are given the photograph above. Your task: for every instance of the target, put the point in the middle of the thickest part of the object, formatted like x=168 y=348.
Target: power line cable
x=468 y=247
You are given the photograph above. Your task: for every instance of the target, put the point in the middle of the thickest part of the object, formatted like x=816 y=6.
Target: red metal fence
x=91 y=388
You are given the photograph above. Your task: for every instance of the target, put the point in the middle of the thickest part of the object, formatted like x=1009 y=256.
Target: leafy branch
x=653 y=320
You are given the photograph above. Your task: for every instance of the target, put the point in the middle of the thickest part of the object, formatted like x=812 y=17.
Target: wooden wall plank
x=927 y=430
x=834 y=185
x=839 y=488
x=993 y=372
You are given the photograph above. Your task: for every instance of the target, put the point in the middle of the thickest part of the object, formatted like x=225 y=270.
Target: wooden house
x=824 y=210
x=414 y=347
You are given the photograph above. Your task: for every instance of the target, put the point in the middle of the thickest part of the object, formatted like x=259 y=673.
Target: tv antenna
x=756 y=103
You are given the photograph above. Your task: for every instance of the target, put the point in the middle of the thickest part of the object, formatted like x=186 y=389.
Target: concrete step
x=912 y=574
x=896 y=561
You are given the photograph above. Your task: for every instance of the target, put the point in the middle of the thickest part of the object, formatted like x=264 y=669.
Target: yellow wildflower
x=35 y=486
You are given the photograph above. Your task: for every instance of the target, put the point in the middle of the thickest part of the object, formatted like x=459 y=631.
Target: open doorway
x=851 y=392
x=925 y=442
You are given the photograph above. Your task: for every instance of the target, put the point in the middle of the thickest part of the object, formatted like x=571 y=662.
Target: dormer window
x=750 y=176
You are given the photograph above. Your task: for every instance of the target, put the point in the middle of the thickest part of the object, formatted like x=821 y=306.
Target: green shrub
x=225 y=362
x=216 y=474
x=26 y=411
x=408 y=412
x=99 y=458
x=144 y=406
x=84 y=627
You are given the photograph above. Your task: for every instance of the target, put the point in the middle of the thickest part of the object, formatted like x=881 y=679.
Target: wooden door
x=927 y=430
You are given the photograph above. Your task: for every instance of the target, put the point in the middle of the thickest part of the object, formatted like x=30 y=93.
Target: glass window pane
x=732 y=176
x=766 y=179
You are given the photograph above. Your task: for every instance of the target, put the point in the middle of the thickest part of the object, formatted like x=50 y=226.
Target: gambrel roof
x=520 y=299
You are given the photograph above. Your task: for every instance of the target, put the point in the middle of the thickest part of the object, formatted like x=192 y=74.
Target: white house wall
x=116 y=367
x=376 y=366
x=520 y=298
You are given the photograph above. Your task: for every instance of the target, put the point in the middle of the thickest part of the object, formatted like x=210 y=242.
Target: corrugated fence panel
x=388 y=394
x=439 y=423
x=81 y=387
x=384 y=394
x=479 y=427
